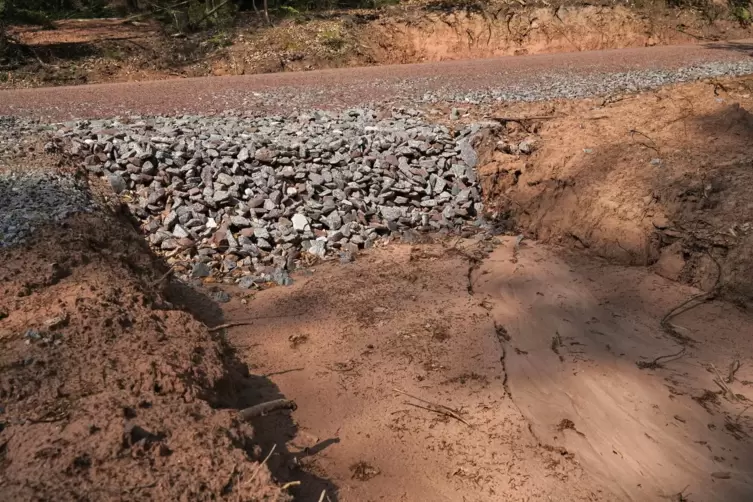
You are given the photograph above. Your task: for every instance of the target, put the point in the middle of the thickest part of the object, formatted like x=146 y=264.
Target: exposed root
x=567 y=424
x=502 y=333
x=700 y=299
x=556 y=344
x=503 y=361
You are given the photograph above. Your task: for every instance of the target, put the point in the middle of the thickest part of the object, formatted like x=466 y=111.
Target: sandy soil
x=533 y=357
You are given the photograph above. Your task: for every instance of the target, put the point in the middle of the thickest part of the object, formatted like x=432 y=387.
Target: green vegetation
x=44 y=12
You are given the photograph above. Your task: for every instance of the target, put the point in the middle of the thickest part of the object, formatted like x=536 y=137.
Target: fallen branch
x=690 y=34
x=660 y=361
x=210 y=12
x=265 y=408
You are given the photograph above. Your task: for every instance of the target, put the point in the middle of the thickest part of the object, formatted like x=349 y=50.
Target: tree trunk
x=266 y=12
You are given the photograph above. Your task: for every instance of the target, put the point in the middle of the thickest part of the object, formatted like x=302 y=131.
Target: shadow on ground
x=241 y=389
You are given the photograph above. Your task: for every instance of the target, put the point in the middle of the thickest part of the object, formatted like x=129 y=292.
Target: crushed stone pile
x=248 y=198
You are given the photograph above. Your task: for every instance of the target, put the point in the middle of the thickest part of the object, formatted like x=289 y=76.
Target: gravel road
x=509 y=78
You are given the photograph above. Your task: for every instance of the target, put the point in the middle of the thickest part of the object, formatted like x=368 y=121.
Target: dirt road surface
x=523 y=77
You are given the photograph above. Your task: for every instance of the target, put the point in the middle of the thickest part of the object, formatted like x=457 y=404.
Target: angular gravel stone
x=117 y=183
x=200 y=270
x=300 y=222
x=180 y=232
x=390 y=213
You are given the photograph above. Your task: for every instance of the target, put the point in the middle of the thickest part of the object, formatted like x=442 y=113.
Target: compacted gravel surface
x=508 y=78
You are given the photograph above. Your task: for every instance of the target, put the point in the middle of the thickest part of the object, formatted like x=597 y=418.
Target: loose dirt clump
x=363 y=471
x=105 y=385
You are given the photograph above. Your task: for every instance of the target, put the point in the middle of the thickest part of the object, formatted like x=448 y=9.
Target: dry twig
x=258 y=467
x=739 y=415
x=522 y=119
x=247 y=322
x=434 y=407
x=437 y=411
x=229 y=325
x=269 y=406
x=162 y=277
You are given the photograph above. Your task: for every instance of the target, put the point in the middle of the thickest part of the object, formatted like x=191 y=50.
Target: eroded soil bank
x=660 y=179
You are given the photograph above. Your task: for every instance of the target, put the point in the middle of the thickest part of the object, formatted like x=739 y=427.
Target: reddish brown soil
x=345 y=340
x=660 y=178
x=537 y=352
x=120 y=396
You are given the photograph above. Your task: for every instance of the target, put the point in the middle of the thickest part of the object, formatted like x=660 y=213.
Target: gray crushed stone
x=476 y=89
x=31 y=200
x=246 y=199
x=574 y=86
